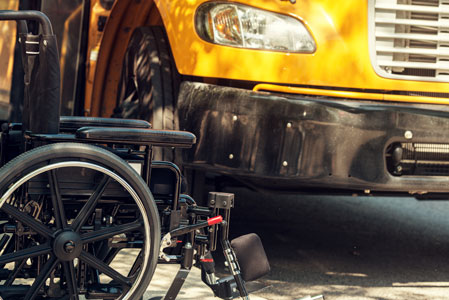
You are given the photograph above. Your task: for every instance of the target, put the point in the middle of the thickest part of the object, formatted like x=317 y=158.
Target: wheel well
x=125 y=16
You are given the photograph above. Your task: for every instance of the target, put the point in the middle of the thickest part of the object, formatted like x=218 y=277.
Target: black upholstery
x=251 y=256
x=71 y=124
x=182 y=139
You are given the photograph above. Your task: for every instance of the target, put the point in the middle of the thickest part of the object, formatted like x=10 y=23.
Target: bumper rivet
x=285 y=163
x=231 y=156
x=408 y=134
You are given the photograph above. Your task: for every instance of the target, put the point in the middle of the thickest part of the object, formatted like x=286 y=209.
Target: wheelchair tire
x=149 y=83
x=70 y=211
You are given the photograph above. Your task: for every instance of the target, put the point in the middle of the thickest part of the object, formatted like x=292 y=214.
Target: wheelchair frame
x=77 y=192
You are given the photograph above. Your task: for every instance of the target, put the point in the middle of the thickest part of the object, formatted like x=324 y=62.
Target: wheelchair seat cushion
x=71 y=124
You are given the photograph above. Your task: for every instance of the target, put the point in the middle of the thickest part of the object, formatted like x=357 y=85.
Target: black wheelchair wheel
x=76 y=222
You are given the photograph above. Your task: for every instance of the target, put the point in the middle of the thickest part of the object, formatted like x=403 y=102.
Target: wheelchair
x=85 y=213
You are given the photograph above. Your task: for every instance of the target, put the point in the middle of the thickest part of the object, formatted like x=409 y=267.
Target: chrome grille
x=411 y=38
x=418 y=159
x=425 y=159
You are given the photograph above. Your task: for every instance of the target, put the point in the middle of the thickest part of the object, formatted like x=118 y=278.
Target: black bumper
x=298 y=142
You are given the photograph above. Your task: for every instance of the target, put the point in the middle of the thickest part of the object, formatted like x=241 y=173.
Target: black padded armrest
x=71 y=124
x=169 y=138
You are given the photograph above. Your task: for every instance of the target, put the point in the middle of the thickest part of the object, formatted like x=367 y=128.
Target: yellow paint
x=340 y=29
x=7 y=44
x=341 y=60
x=93 y=46
x=349 y=94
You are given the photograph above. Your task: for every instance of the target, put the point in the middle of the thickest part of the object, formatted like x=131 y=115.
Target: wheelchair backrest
x=40 y=58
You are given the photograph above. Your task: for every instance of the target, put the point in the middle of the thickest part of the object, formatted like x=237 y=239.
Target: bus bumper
x=296 y=142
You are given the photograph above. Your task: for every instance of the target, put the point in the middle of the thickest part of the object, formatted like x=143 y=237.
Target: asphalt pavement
x=364 y=248
x=348 y=247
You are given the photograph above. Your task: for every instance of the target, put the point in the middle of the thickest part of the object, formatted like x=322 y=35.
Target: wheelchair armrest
x=167 y=138
x=71 y=124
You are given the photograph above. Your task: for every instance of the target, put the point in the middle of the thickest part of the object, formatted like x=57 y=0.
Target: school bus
x=292 y=95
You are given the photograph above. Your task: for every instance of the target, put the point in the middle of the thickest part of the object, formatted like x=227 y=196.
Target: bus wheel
x=149 y=83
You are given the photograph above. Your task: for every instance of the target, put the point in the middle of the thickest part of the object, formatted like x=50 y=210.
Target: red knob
x=215 y=220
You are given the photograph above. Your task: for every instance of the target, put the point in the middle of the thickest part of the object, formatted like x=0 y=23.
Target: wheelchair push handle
x=8 y=15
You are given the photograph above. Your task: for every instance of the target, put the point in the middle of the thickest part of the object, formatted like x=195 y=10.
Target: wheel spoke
x=70 y=277
x=90 y=205
x=26 y=219
x=58 y=207
x=15 y=272
x=104 y=268
x=108 y=232
x=136 y=265
x=40 y=280
x=25 y=253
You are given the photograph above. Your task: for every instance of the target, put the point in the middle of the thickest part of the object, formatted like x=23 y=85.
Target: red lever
x=190 y=228
x=215 y=220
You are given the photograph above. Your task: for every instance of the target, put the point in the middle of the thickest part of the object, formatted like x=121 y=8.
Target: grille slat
x=414 y=36
x=416 y=65
x=411 y=39
x=442 y=52
x=385 y=5
x=433 y=25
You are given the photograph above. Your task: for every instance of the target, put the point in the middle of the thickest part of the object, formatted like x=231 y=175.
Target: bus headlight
x=238 y=25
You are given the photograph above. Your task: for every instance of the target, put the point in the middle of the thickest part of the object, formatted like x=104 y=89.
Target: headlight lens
x=247 y=27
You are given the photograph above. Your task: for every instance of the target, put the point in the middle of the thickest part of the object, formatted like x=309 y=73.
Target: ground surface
x=349 y=247
x=362 y=248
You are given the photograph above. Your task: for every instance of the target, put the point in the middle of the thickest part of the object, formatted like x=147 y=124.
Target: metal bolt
x=234 y=118
x=399 y=169
x=408 y=134
x=289 y=125
x=285 y=163
x=69 y=247
x=224 y=203
x=231 y=156
x=212 y=201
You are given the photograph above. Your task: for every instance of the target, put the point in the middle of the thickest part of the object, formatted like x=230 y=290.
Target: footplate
x=192 y=244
